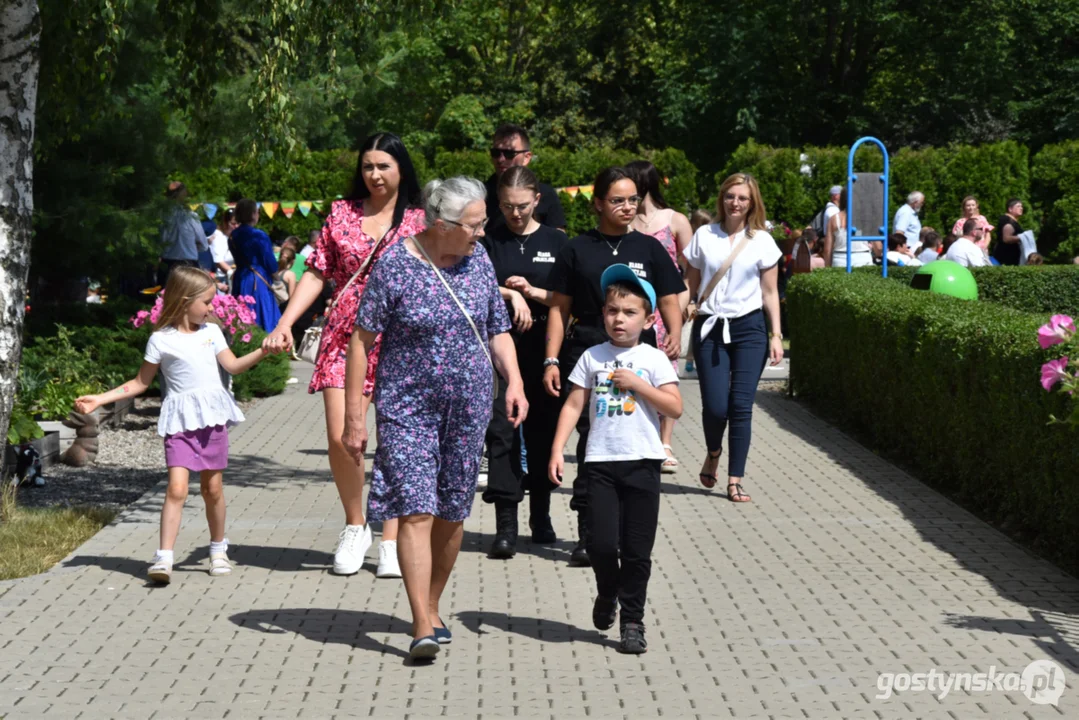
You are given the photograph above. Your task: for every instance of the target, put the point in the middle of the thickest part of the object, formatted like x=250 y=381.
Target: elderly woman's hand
x=516 y=404
x=354 y=438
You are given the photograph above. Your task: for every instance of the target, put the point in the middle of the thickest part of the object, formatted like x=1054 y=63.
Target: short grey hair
x=915 y=197
x=447 y=199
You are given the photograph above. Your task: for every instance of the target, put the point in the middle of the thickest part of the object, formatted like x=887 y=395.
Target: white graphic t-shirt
x=624 y=427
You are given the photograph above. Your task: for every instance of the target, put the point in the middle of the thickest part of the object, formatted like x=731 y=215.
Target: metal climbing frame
x=863 y=200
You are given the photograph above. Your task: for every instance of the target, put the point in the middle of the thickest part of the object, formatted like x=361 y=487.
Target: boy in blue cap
x=630 y=385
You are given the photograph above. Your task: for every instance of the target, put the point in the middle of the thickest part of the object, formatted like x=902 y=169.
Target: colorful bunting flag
x=194 y=207
x=305 y=208
x=211 y=210
x=288 y=208
x=317 y=204
x=269 y=208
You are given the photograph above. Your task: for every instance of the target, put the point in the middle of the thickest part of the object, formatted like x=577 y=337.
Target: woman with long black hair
x=575 y=282
x=382 y=208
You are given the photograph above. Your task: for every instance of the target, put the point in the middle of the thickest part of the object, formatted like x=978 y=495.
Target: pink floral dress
x=666 y=238
x=341 y=249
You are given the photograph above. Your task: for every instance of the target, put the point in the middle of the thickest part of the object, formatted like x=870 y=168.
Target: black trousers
x=623 y=506
x=582 y=337
x=506 y=479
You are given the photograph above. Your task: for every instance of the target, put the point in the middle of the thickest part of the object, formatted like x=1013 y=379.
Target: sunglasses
x=505 y=154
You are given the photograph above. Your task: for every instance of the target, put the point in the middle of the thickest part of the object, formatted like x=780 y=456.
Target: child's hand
x=87 y=404
x=554 y=470
x=626 y=379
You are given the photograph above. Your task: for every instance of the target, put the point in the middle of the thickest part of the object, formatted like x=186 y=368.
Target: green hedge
x=1046 y=289
x=1055 y=186
x=947 y=388
x=326 y=175
x=267 y=378
x=795 y=188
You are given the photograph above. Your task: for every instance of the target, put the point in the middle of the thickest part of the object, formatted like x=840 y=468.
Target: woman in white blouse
x=731 y=342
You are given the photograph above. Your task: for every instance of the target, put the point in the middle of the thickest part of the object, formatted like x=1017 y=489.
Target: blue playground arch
x=860 y=194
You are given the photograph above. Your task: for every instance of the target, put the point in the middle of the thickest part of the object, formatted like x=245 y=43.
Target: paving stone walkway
x=843 y=568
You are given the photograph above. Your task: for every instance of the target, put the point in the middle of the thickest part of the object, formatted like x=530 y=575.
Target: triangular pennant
x=232 y=206
x=317 y=204
x=586 y=191
x=305 y=208
x=211 y=210
x=270 y=208
x=194 y=207
x=288 y=208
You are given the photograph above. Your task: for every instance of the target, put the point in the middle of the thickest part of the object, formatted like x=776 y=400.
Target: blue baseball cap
x=625 y=274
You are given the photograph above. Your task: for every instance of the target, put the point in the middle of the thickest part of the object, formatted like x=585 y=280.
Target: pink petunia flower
x=1057 y=330
x=1053 y=372
x=246 y=337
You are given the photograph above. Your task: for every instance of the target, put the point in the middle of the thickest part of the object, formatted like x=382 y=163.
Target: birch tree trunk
x=20 y=36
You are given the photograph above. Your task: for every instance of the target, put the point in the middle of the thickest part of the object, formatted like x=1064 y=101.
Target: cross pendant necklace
x=522 y=242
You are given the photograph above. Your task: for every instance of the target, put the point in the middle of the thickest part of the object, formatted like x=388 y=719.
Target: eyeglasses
x=619 y=202
x=523 y=208
x=505 y=154
x=731 y=197
x=474 y=229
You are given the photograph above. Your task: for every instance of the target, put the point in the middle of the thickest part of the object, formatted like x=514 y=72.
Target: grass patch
x=32 y=540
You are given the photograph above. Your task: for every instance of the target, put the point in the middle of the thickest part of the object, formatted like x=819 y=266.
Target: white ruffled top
x=194 y=395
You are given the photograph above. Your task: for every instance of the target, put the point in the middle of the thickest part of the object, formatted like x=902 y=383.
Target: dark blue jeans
x=728 y=377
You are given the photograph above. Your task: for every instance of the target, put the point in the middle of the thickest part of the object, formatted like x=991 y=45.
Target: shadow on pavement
x=347 y=627
x=281 y=559
x=1050 y=595
x=530 y=627
x=475 y=542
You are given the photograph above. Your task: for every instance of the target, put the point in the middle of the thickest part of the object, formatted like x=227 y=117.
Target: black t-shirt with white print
x=582 y=261
x=529 y=256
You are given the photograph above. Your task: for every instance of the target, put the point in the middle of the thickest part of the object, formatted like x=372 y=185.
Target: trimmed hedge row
x=326 y=175
x=1054 y=175
x=1046 y=289
x=950 y=389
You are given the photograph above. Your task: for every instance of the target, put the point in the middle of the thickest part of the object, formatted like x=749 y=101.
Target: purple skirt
x=198 y=450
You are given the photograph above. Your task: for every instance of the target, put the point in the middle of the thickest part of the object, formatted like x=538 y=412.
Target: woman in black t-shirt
x=1008 y=249
x=575 y=285
x=523 y=252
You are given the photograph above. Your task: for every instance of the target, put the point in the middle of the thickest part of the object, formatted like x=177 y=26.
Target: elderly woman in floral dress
x=434 y=298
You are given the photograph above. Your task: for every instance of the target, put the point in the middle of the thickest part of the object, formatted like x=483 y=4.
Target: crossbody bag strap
x=724 y=268
x=471 y=322
x=363 y=266
x=259 y=276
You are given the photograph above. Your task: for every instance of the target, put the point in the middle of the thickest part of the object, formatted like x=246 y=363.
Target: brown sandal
x=738 y=495
x=709 y=481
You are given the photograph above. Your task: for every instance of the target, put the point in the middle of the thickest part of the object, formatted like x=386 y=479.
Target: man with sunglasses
x=511 y=147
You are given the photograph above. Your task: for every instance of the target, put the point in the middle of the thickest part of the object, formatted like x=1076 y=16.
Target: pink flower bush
x=1062 y=371
x=237 y=315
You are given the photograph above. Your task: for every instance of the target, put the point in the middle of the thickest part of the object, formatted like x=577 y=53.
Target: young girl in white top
x=731 y=342
x=196 y=409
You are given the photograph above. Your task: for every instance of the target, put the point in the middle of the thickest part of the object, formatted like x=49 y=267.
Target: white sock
x=219 y=547
x=163 y=556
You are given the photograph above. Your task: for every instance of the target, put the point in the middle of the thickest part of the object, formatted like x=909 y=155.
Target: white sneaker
x=160 y=571
x=388 y=566
x=352 y=545
x=481 y=482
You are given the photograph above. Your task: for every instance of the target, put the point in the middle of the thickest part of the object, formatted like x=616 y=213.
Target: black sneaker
x=633 y=642
x=604 y=612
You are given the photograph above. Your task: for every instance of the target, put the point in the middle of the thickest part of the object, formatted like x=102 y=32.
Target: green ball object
x=947 y=278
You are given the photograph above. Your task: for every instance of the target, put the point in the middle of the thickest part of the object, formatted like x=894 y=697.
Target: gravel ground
x=130 y=461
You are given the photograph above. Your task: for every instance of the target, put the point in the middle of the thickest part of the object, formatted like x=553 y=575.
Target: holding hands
x=280 y=340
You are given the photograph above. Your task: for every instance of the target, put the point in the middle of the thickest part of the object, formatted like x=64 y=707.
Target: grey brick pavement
x=844 y=567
